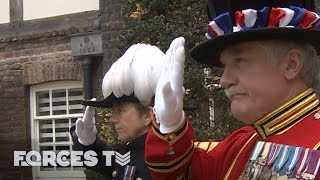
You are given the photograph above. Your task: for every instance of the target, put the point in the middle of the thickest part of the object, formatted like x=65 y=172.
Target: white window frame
x=4 y=11
x=52 y=8
x=50 y=86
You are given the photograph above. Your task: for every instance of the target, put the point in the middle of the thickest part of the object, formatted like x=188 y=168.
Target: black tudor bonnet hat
x=235 y=21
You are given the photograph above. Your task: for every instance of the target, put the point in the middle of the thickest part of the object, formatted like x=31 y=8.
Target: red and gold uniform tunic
x=177 y=156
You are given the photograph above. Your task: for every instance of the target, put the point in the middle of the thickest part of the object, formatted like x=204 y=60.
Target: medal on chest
x=270 y=161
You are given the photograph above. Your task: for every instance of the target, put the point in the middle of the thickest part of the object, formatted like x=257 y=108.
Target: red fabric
x=216 y=163
x=275 y=16
x=156 y=149
x=239 y=18
x=307 y=19
x=212 y=31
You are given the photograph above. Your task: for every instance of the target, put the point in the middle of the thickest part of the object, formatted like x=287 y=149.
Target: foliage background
x=158 y=22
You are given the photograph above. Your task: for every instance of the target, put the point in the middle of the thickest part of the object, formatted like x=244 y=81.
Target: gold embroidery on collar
x=291 y=115
x=267 y=126
x=268 y=116
x=283 y=131
x=294 y=117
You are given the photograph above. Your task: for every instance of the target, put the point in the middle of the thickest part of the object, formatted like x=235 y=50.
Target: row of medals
x=260 y=168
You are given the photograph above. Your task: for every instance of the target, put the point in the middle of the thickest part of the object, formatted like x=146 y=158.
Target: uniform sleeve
x=177 y=156
x=98 y=146
x=168 y=156
x=225 y=159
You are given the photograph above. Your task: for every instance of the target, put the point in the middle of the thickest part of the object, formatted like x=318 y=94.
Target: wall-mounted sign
x=86 y=44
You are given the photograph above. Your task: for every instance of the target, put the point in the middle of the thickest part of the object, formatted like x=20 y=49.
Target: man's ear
x=293 y=63
x=148 y=117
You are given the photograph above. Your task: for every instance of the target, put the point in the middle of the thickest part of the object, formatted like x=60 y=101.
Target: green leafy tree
x=158 y=22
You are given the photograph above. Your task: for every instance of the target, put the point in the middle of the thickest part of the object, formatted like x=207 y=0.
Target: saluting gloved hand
x=169 y=94
x=86 y=128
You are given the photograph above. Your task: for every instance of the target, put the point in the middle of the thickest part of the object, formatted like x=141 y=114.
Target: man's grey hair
x=310 y=72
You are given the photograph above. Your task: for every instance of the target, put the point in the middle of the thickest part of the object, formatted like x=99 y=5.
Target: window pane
x=62 y=130
x=43 y=103
x=46 y=148
x=49 y=167
x=75 y=98
x=45 y=131
x=53 y=108
x=59 y=105
x=73 y=121
x=60 y=148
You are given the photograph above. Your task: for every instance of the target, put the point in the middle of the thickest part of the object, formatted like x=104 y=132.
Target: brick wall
x=25 y=63
x=39 y=51
x=111 y=25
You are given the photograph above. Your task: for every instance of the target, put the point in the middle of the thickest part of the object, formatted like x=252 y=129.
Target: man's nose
x=227 y=79
x=114 y=119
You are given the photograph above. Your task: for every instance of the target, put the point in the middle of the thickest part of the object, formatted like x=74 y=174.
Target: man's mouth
x=236 y=96
x=117 y=129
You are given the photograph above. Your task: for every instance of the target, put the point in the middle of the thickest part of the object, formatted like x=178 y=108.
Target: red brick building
x=41 y=83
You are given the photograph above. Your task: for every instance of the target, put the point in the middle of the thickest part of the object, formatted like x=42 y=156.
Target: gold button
x=317 y=115
x=114 y=173
x=172 y=136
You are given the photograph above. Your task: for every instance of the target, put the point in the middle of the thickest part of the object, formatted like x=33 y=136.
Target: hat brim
x=110 y=100
x=208 y=52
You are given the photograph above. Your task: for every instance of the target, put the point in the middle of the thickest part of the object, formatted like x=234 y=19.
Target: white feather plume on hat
x=136 y=72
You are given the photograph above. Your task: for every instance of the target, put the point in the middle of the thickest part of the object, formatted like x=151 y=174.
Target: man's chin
x=237 y=107
x=124 y=138
x=241 y=117
x=241 y=114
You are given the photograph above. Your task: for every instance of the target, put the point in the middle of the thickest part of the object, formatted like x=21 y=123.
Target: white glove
x=169 y=94
x=86 y=128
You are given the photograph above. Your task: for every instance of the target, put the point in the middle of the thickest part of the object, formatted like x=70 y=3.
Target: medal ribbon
x=313 y=165
x=304 y=162
x=261 y=166
x=250 y=171
x=295 y=170
x=265 y=151
x=282 y=158
x=275 y=149
x=293 y=159
x=129 y=172
x=257 y=150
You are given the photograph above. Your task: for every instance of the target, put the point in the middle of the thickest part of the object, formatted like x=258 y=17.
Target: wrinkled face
x=128 y=121
x=253 y=85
